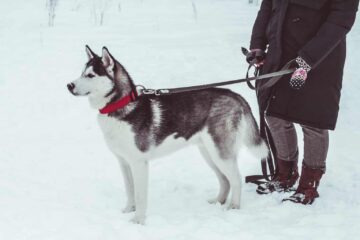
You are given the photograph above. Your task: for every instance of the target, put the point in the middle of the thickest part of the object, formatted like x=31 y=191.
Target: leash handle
x=256 y=73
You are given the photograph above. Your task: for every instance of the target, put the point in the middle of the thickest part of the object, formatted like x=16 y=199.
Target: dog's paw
x=233 y=206
x=129 y=209
x=213 y=201
x=138 y=220
x=216 y=201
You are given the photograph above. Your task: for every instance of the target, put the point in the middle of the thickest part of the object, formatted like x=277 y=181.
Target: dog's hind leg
x=223 y=181
x=129 y=186
x=228 y=167
x=140 y=172
x=235 y=183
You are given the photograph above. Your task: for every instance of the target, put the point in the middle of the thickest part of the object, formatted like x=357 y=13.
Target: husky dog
x=140 y=128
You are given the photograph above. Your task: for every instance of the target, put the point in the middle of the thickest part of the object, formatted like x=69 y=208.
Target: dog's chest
x=121 y=139
x=119 y=136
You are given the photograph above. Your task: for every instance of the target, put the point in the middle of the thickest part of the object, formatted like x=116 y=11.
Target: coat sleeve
x=338 y=23
x=258 y=36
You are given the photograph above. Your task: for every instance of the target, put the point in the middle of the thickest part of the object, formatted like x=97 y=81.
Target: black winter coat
x=315 y=30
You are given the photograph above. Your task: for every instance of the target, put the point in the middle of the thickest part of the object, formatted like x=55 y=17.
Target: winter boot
x=284 y=179
x=307 y=189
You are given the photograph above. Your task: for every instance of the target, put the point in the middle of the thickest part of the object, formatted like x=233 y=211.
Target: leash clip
x=157 y=92
x=142 y=90
x=148 y=91
x=161 y=92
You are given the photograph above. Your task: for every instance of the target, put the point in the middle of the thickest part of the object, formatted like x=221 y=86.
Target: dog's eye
x=90 y=75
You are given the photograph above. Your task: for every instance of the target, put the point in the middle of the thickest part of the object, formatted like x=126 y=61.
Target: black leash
x=272 y=79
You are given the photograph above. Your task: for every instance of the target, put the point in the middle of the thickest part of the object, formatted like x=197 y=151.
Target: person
x=313 y=33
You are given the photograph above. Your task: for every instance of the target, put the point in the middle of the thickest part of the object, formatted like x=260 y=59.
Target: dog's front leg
x=140 y=173
x=129 y=186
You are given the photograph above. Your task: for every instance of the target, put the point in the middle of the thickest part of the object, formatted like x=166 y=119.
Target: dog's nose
x=71 y=87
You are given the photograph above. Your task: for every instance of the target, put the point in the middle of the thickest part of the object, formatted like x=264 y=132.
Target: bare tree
x=254 y=1
x=119 y=6
x=195 y=13
x=99 y=8
x=51 y=6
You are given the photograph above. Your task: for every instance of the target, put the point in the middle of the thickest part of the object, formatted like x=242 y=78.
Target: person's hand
x=299 y=77
x=256 y=57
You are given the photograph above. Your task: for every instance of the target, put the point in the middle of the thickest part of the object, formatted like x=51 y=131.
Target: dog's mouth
x=77 y=94
x=73 y=93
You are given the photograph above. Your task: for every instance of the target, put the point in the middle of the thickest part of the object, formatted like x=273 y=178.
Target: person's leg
x=316 y=144
x=285 y=140
x=284 y=135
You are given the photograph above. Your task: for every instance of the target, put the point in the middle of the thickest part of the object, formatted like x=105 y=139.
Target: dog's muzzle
x=71 y=87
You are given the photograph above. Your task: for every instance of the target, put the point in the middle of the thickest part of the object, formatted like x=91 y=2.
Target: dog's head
x=98 y=77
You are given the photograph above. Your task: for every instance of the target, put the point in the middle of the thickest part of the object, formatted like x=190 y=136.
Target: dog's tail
x=252 y=139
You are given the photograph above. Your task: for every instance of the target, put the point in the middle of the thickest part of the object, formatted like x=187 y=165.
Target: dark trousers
x=316 y=142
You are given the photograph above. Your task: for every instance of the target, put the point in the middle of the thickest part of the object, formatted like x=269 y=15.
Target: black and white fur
x=217 y=120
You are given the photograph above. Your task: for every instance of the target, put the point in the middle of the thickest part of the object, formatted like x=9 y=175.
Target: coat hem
x=302 y=122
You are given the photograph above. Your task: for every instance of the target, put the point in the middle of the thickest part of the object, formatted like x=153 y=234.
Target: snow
x=58 y=180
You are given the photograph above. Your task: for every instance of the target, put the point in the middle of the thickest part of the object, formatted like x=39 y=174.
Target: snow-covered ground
x=59 y=181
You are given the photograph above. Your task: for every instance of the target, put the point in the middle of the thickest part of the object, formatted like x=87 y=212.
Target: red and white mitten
x=299 y=77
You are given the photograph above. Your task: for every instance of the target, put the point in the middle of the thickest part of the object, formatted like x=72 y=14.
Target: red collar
x=112 y=107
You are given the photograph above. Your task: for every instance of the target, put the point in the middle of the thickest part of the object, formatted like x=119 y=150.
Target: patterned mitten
x=299 y=77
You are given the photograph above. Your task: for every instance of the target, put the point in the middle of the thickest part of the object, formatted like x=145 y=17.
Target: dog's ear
x=107 y=59
x=89 y=52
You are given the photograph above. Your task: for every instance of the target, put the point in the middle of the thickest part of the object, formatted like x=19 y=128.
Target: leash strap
x=275 y=79
x=265 y=177
x=272 y=79
x=268 y=163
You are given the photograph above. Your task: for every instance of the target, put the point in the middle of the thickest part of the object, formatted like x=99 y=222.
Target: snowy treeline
x=98 y=9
